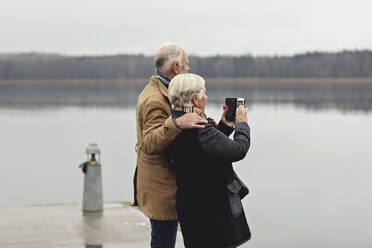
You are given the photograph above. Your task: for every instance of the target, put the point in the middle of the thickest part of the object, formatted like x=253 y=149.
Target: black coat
x=210 y=214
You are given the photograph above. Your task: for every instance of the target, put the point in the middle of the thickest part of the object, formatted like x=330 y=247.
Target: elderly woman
x=208 y=198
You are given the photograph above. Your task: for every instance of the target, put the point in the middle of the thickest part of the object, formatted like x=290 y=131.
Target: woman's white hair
x=167 y=54
x=183 y=88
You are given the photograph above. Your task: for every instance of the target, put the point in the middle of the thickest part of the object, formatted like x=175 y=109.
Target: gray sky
x=203 y=27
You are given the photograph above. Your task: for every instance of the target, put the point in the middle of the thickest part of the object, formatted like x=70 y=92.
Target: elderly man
x=155 y=181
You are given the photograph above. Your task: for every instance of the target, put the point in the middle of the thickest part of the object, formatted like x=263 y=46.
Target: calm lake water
x=309 y=169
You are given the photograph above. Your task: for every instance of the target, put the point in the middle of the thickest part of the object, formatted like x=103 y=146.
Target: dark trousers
x=163 y=233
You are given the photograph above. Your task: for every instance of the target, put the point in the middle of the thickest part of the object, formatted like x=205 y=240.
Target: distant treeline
x=314 y=64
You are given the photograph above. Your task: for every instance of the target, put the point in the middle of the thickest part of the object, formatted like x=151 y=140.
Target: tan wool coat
x=156 y=180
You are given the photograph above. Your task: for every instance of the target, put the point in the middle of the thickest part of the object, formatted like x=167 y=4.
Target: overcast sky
x=259 y=27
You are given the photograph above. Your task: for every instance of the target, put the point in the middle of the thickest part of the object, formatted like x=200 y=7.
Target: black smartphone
x=231 y=111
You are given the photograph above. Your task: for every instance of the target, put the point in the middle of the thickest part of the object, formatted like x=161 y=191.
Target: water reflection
x=31 y=95
x=93 y=229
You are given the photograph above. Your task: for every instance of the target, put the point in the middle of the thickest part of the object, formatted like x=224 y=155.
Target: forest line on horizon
x=345 y=64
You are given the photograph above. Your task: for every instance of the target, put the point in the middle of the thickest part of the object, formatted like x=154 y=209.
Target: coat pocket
x=235 y=203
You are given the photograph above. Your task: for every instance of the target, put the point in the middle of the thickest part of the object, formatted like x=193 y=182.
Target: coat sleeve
x=219 y=145
x=159 y=130
x=225 y=128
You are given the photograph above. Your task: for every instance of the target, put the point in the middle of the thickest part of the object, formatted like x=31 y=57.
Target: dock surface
x=120 y=225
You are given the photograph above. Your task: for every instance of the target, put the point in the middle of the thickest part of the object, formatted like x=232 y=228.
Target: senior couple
x=184 y=160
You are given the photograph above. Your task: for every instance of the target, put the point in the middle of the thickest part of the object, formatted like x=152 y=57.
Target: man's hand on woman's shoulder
x=190 y=120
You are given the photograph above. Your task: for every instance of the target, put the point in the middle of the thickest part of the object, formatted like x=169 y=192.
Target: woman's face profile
x=200 y=103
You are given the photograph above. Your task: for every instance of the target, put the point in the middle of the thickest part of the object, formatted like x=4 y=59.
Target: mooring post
x=92 y=195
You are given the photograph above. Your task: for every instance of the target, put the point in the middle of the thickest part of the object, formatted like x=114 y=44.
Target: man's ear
x=175 y=67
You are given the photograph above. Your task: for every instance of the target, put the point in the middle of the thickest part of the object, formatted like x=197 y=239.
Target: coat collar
x=164 y=79
x=162 y=88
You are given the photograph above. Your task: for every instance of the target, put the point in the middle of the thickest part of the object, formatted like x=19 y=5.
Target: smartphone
x=231 y=111
x=241 y=101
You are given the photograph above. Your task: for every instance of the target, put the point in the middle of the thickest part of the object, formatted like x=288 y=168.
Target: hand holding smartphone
x=232 y=104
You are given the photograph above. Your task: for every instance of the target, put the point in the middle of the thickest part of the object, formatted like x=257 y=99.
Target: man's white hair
x=183 y=88
x=167 y=54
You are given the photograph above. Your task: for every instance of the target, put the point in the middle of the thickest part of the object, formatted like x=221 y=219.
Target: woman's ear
x=195 y=101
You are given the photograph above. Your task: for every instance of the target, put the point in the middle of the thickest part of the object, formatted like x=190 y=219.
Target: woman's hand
x=223 y=117
x=241 y=114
